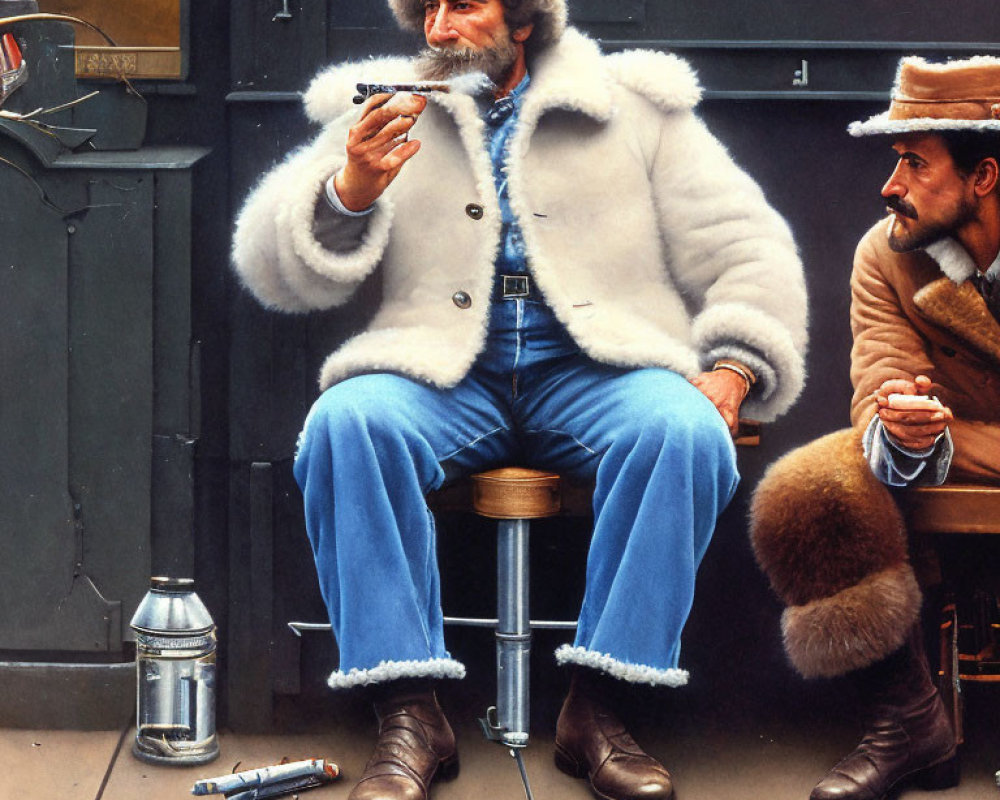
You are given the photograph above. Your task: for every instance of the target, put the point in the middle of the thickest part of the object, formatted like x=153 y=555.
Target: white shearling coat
x=650 y=245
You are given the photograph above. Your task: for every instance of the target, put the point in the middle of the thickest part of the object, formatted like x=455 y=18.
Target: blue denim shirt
x=512 y=320
x=511 y=258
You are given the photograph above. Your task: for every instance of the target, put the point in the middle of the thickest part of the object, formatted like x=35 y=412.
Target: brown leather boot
x=415 y=745
x=592 y=743
x=908 y=737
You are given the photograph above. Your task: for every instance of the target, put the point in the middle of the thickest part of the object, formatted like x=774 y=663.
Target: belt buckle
x=515 y=286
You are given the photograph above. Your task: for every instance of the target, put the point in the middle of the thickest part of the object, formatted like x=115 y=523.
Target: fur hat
x=549 y=17
x=956 y=95
x=832 y=542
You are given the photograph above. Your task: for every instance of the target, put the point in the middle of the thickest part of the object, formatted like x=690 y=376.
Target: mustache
x=900 y=206
x=441 y=63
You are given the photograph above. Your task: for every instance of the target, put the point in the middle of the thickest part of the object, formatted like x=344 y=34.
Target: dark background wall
x=783 y=79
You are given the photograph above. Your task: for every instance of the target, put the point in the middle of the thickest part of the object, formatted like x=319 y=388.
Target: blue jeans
x=372 y=446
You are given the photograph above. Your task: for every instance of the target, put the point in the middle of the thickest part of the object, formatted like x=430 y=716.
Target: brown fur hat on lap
x=832 y=542
x=820 y=521
x=548 y=16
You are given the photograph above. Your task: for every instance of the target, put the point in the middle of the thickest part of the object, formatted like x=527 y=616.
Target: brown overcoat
x=909 y=318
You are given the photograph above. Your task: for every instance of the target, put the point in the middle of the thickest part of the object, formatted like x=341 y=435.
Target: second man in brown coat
x=926 y=409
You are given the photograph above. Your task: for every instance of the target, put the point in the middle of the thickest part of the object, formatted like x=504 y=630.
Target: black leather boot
x=908 y=734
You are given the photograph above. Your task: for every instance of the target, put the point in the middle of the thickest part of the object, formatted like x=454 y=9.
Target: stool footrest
x=536 y=624
x=298 y=628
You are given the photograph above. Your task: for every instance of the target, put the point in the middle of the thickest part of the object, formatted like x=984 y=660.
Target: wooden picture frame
x=151 y=37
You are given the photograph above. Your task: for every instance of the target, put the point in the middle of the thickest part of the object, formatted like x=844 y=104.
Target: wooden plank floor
x=713 y=755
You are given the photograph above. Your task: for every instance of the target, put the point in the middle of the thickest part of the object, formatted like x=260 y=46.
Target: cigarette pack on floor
x=257 y=784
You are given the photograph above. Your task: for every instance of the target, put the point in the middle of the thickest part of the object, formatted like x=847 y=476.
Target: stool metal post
x=513 y=633
x=513 y=496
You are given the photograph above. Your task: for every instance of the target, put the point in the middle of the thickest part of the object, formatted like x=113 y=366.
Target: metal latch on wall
x=801 y=77
x=284 y=15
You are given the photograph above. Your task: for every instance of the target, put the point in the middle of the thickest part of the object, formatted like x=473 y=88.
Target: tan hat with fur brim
x=954 y=96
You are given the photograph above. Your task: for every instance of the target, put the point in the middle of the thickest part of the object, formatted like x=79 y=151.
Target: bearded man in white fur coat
x=575 y=276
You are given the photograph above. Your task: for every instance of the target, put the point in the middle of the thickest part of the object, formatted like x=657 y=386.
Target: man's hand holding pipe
x=377 y=147
x=914 y=429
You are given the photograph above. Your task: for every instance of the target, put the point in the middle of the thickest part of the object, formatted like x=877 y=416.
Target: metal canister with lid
x=175 y=665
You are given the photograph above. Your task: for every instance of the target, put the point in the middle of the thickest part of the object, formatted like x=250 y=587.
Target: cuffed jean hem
x=396 y=670
x=631 y=673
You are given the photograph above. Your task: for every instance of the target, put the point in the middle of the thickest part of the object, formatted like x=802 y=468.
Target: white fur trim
x=954 y=260
x=573 y=75
x=881 y=124
x=632 y=673
x=274 y=250
x=395 y=670
x=353 y=266
x=738 y=322
x=958 y=63
x=414 y=351
x=667 y=80
x=585 y=82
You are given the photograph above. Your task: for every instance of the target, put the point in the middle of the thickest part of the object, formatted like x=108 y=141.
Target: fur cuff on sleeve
x=772 y=338
x=275 y=249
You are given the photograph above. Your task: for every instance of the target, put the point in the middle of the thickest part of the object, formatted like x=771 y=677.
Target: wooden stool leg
x=513 y=634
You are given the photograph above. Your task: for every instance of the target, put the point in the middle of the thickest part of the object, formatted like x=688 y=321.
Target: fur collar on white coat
x=579 y=78
x=640 y=307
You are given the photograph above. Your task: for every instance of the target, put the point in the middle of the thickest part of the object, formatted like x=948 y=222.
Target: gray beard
x=440 y=65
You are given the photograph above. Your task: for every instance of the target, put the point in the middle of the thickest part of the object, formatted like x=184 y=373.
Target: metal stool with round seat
x=514 y=496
